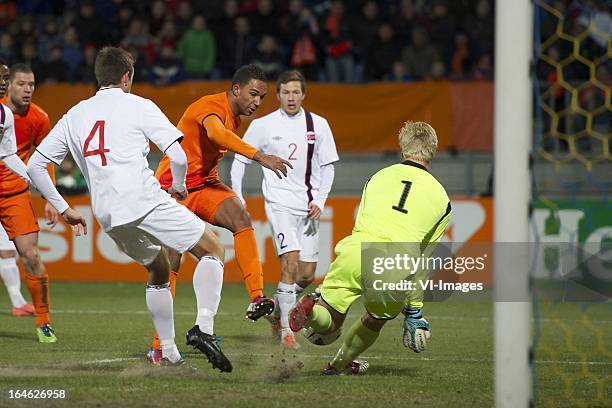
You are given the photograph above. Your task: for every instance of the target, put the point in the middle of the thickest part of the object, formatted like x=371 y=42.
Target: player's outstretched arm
x=229 y=140
x=277 y=164
x=17 y=166
x=37 y=170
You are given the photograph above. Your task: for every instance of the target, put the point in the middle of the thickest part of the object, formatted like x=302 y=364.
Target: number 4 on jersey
x=97 y=129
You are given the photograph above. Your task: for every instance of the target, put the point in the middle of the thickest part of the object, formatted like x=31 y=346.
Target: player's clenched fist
x=76 y=221
x=277 y=164
x=178 y=193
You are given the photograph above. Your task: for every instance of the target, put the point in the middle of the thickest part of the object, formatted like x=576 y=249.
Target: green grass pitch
x=104 y=330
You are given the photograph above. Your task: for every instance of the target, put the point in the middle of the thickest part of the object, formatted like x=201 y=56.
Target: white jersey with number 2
x=108 y=136
x=286 y=136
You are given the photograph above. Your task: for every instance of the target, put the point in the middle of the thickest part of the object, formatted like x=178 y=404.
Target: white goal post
x=512 y=141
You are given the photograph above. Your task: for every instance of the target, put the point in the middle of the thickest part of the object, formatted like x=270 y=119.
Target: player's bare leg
x=207 y=283
x=10 y=275
x=296 y=275
x=160 y=305
x=232 y=215
x=285 y=299
x=38 y=284
x=362 y=334
x=305 y=276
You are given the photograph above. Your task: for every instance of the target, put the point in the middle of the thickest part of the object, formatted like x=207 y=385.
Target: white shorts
x=5 y=243
x=294 y=233
x=169 y=224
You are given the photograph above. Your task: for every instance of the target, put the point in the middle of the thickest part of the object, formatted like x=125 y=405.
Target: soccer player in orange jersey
x=8 y=254
x=209 y=126
x=16 y=214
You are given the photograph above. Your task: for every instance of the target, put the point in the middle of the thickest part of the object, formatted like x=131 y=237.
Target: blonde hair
x=418 y=141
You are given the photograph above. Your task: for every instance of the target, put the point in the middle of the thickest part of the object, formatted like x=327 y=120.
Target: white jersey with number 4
x=108 y=136
x=286 y=136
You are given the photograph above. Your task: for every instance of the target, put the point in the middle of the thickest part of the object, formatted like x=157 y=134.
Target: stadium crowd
x=173 y=40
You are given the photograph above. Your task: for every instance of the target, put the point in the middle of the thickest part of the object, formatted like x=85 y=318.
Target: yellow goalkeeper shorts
x=342 y=285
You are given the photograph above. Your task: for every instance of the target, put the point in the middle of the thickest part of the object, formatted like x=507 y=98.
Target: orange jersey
x=202 y=153
x=30 y=130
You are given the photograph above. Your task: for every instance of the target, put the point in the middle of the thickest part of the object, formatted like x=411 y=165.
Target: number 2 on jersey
x=402 y=202
x=292 y=154
x=99 y=130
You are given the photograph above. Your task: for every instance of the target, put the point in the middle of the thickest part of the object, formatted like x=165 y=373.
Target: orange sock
x=39 y=291
x=173 y=275
x=247 y=256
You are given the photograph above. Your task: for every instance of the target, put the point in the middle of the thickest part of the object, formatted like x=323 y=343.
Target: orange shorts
x=205 y=200
x=17 y=215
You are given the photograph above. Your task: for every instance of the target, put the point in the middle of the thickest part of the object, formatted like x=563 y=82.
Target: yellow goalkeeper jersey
x=403 y=203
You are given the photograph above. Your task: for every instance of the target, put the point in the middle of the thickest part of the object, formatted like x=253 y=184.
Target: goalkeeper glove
x=416 y=329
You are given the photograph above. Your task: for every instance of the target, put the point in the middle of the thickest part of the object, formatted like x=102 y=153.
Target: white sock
x=10 y=275
x=159 y=303
x=298 y=289
x=285 y=295
x=207 y=283
x=169 y=350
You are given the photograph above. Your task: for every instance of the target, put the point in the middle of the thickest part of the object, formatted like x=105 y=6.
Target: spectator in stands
x=364 y=31
x=89 y=28
x=72 y=53
x=301 y=28
x=7 y=51
x=397 y=73
x=115 y=31
x=420 y=55
x=26 y=32
x=197 y=49
x=141 y=68
x=268 y=57
x=437 y=72
x=461 y=58
x=69 y=179
x=56 y=69
x=184 y=15
x=382 y=54
x=167 y=36
x=224 y=26
x=404 y=21
x=483 y=69
x=167 y=69
x=339 y=60
x=443 y=29
x=480 y=27
x=85 y=72
x=49 y=38
x=8 y=12
x=265 y=19
x=138 y=36
x=239 y=48
x=29 y=56
x=158 y=15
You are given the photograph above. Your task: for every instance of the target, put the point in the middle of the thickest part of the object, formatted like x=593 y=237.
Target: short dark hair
x=290 y=76
x=19 y=67
x=111 y=64
x=3 y=62
x=246 y=73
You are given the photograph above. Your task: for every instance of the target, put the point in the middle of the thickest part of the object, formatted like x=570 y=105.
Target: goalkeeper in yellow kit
x=400 y=203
